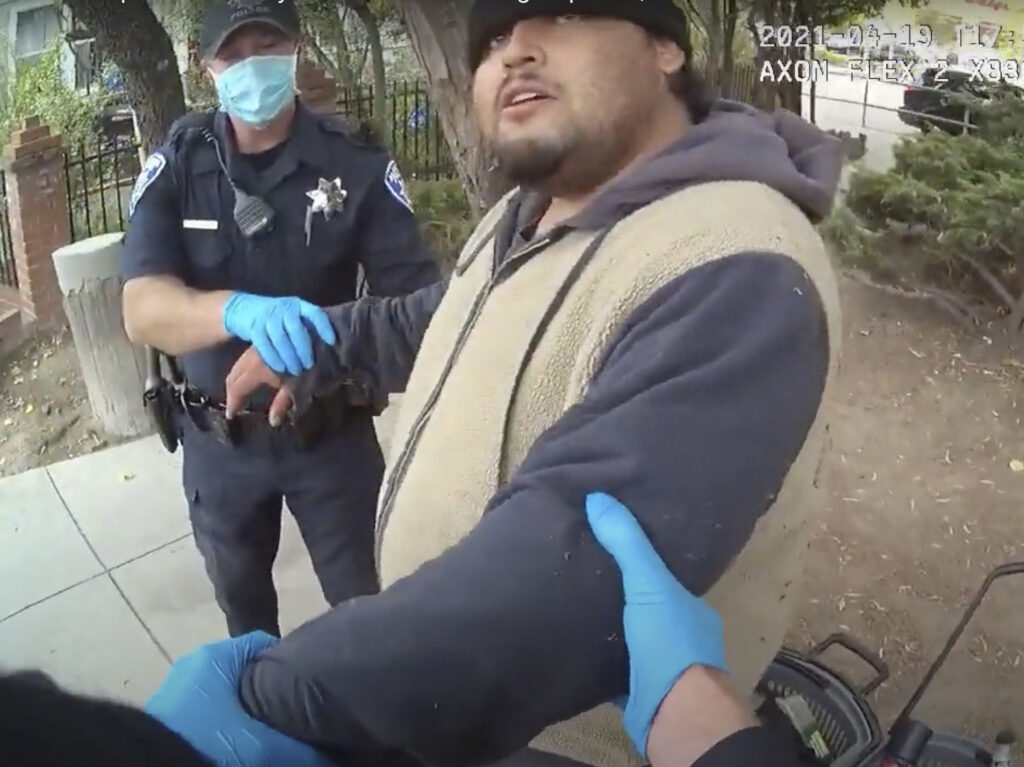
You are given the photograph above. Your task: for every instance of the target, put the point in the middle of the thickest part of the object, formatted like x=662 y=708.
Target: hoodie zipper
x=419 y=425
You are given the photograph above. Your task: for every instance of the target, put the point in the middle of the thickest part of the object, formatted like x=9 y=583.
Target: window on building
x=35 y=30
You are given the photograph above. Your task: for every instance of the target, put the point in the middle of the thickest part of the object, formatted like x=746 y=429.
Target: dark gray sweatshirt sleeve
x=753 y=747
x=378 y=339
x=699 y=408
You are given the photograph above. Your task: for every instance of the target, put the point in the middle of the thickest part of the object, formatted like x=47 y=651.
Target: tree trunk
x=195 y=58
x=790 y=94
x=347 y=78
x=729 y=44
x=715 y=43
x=193 y=66
x=380 y=76
x=439 y=36
x=792 y=99
x=776 y=13
x=139 y=45
x=764 y=90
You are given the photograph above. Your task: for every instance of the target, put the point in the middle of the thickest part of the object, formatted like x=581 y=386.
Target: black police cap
x=222 y=17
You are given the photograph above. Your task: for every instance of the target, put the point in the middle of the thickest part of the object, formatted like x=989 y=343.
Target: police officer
x=245 y=222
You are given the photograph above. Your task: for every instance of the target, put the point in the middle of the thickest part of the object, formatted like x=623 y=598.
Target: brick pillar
x=38 y=209
x=317 y=89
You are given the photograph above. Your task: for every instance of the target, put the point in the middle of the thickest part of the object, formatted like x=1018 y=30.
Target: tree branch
x=990 y=279
x=695 y=15
x=322 y=59
x=349 y=77
x=375 y=47
x=955 y=307
x=362 y=59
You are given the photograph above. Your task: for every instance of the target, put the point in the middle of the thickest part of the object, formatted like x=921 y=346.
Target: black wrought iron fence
x=411 y=127
x=100 y=177
x=738 y=85
x=8 y=272
x=101 y=173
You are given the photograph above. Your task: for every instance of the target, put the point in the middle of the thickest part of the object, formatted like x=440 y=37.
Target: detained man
x=650 y=313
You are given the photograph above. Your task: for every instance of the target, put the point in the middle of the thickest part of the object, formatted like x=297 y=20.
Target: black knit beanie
x=491 y=17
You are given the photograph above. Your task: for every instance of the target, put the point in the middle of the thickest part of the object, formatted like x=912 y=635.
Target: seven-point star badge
x=328 y=197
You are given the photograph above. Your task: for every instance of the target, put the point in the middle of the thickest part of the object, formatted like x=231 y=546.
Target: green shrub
x=947 y=218
x=444 y=215
x=849 y=238
x=40 y=90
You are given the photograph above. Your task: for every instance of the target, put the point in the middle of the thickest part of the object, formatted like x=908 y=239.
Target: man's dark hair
x=687 y=84
x=689 y=87
x=42 y=725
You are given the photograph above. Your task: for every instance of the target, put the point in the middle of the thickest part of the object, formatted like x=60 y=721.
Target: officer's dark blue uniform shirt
x=182 y=223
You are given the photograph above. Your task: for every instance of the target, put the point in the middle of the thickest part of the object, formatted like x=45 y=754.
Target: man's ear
x=669 y=55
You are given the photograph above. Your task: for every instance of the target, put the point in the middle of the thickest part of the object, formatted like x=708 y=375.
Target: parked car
x=931 y=101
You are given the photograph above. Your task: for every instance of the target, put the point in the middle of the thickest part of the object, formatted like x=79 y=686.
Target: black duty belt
x=168 y=399
x=324 y=418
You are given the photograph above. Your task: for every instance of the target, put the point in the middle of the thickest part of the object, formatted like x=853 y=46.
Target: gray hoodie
x=732 y=356
x=734 y=143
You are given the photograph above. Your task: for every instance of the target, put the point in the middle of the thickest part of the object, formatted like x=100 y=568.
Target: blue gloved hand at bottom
x=667 y=628
x=277 y=328
x=199 y=700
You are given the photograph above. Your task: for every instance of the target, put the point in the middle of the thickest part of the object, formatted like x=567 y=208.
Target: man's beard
x=573 y=163
x=530 y=162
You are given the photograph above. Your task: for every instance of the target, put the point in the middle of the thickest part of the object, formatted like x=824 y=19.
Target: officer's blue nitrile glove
x=277 y=328
x=667 y=628
x=199 y=701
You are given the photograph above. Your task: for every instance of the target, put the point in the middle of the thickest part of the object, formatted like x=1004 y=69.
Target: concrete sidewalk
x=101 y=584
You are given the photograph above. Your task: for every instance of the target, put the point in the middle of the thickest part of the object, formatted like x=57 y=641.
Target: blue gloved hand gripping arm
x=199 y=701
x=667 y=628
x=277 y=327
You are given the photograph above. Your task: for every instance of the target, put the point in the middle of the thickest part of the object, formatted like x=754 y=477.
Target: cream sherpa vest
x=528 y=349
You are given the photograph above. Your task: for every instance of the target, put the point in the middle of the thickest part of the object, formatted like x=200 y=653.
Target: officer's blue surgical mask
x=257 y=89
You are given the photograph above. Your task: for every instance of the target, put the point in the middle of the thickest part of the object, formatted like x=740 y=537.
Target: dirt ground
x=926 y=494
x=44 y=410
x=925 y=499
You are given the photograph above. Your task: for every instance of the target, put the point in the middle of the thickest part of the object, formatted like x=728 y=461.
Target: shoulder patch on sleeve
x=396 y=185
x=154 y=166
